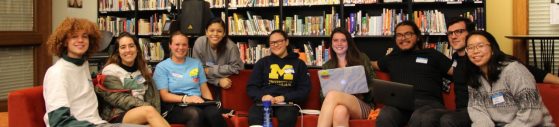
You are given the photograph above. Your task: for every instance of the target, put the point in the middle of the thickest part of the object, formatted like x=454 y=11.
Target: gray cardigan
x=518 y=102
x=227 y=64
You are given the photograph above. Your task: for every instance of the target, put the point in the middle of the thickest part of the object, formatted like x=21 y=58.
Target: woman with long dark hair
x=502 y=92
x=219 y=55
x=344 y=53
x=126 y=70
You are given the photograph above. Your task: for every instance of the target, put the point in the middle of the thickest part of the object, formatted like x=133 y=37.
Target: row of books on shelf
x=360 y=1
x=129 y=5
x=156 y=4
x=252 y=51
x=430 y=21
x=117 y=25
x=477 y=17
x=152 y=51
x=314 y=57
x=367 y=25
x=216 y=3
x=116 y=5
x=442 y=47
x=450 y=1
x=253 y=3
x=254 y=25
x=312 y=25
x=154 y=25
x=275 y=3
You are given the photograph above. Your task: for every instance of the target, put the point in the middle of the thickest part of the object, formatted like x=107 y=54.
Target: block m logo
x=287 y=72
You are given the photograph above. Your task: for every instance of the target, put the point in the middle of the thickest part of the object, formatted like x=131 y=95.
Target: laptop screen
x=351 y=80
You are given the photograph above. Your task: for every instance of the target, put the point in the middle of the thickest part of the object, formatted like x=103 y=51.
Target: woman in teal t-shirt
x=181 y=80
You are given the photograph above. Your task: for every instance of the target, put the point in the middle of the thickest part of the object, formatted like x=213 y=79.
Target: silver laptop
x=351 y=80
x=394 y=94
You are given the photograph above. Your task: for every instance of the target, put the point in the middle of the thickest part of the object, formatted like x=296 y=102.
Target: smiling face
x=339 y=44
x=278 y=45
x=405 y=38
x=77 y=44
x=215 y=33
x=179 y=46
x=127 y=50
x=479 y=50
x=457 y=35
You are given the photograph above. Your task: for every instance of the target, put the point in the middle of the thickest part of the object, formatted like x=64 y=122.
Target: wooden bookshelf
x=277 y=11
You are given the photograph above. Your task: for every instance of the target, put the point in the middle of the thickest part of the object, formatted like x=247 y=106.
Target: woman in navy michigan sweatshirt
x=280 y=78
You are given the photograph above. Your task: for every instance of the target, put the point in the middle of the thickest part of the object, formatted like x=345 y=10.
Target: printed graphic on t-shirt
x=286 y=72
x=194 y=75
x=281 y=76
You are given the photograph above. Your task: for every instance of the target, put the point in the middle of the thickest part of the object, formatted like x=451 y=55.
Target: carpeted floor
x=3 y=119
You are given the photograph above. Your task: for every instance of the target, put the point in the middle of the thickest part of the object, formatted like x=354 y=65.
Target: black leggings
x=195 y=116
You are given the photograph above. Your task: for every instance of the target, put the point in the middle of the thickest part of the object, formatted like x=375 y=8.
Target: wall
x=499 y=22
x=60 y=10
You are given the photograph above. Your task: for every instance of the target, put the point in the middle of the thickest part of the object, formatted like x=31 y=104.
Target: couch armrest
x=549 y=94
x=26 y=107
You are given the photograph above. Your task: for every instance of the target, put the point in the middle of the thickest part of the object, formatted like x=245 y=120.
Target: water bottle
x=267 y=113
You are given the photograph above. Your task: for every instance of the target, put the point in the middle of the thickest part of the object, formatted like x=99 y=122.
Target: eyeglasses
x=470 y=49
x=456 y=32
x=276 y=42
x=405 y=35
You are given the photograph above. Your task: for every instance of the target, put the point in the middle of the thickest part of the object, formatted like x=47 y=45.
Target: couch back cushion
x=26 y=107
x=549 y=95
x=236 y=97
x=313 y=100
x=382 y=75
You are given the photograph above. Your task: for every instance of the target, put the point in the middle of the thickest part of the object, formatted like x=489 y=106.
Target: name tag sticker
x=421 y=60
x=176 y=75
x=454 y=63
x=497 y=98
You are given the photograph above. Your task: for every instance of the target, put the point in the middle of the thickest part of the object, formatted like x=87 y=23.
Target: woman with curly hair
x=67 y=86
x=129 y=94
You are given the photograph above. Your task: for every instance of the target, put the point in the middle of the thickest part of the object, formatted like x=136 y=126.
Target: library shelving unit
x=308 y=23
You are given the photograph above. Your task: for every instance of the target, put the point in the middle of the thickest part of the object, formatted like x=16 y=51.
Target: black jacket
x=277 y=76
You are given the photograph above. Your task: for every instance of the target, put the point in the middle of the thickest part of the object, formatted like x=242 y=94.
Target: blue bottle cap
x=266 y=103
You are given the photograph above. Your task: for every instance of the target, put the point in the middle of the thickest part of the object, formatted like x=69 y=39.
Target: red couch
x=236 y=98
x=26 y=107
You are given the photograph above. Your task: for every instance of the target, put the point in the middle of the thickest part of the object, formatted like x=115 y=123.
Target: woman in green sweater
x=128 y=94
x=346 y=106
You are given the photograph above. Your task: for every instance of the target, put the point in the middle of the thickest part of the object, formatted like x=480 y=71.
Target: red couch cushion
x=449 y=98
x=313 y=101
x=549 y=95
x=383 y=76
x=26 y=107
x=236 y=97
